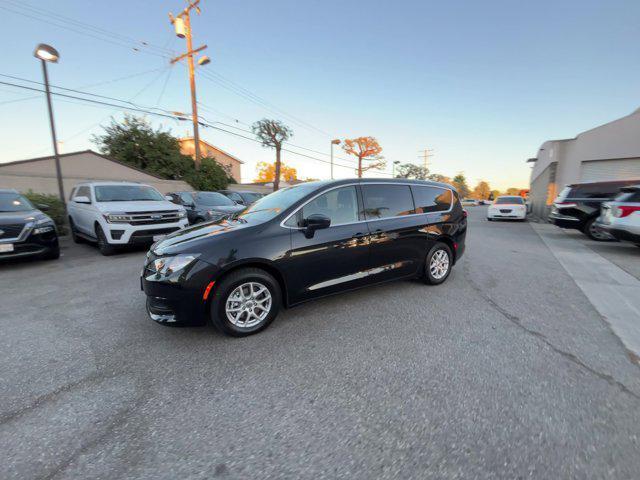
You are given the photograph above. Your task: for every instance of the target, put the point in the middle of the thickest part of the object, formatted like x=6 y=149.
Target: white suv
x=121 y=213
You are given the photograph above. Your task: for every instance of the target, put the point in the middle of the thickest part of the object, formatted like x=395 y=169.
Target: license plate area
x=6 y=247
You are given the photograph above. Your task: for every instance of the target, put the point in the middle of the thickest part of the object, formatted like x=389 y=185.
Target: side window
x=383 y=201
x=431 y=199
x=340 y=205
x=234 y=196
x=83 y=192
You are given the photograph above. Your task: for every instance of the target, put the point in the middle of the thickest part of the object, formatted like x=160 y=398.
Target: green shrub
x=211 y=176
x=56 y=208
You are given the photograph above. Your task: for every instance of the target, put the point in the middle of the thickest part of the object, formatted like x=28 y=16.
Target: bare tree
x=365 y=148
x=272 y=134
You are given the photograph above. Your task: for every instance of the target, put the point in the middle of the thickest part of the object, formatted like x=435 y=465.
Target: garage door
x=603 y=170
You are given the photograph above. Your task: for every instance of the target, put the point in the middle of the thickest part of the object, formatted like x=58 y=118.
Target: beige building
x=231 y=163
x=39 y=174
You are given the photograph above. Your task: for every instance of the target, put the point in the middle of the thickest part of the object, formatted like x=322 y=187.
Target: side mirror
x=43 y=206
x=314 y=222
x=81 y=199
x=169 y=198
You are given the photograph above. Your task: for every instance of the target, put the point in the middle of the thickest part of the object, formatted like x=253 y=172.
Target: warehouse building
x=607 y=152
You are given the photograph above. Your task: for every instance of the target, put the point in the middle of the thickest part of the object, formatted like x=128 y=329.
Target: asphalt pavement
x=505 y=371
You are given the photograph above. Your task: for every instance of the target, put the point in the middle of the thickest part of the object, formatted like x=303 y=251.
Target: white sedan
x=507 y=207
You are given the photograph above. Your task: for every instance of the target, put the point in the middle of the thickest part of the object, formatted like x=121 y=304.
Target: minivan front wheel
x=438 y=264
x=245 y=302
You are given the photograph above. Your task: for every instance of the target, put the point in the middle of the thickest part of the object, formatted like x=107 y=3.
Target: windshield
x=127 y=193
x=268 y=207
x=509 y=201
x=213 y=199
x=250 y=197
x=14 y=202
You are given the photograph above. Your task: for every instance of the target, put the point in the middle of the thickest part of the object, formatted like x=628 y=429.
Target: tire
x=489 y=219
x=105 y=248
x=434 y=276
x=230 y=286
x=590 y=232
x=198 y=220
x=74 y=232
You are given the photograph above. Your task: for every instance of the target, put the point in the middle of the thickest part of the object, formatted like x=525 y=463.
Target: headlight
x=182 y=214
x=117 y=218
x=164 y=267
x=43 y=225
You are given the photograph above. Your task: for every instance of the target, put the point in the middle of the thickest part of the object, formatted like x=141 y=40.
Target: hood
x=150 y=206
x=192 y=238
x=8 y=218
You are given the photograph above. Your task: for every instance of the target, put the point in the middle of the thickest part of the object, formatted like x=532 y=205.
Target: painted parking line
x=614 y=293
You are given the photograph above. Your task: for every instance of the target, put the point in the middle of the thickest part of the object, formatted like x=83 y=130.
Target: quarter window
x=383 y=201
x=340 y=205
x=431 y=199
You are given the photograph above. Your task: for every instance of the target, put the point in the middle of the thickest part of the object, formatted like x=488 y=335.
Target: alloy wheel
x=248 y=304
x=439 y=264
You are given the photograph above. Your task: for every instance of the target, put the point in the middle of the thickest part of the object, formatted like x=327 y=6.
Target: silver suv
x=620 y=218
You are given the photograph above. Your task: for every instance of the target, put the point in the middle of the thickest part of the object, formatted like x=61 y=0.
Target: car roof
x=8 y=190
x=112 y=183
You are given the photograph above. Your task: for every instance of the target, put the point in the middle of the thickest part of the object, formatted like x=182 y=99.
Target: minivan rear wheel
x=245 y=302
x=593 y=233
x=438 y=264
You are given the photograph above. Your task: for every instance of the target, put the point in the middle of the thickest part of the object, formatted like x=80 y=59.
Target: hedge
x=56 y=208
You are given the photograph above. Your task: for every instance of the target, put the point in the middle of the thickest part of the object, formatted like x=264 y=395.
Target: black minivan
x=301 y=243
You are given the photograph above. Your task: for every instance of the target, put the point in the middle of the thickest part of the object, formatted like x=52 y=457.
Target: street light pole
x=393 y=168
x=333 y=142
x=46 y=54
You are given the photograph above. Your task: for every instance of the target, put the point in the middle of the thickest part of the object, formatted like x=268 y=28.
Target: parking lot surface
x=505 y=371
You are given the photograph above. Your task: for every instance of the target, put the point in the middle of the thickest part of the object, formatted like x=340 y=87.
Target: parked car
x=113 y=214
x=578 y=206
x=242 y=197
x=300 y=243
x=620 y=218
x=205 y=206
x=470 y=202
x=511 y=207
x=24 y=230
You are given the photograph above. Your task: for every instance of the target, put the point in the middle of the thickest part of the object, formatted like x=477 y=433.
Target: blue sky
x=483 y=84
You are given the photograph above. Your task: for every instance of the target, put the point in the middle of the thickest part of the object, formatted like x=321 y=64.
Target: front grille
x=153 y=218
x=505 y=211
x=11 y=231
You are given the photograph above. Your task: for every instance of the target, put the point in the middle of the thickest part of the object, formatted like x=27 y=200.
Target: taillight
x=624 y=210
x=465 y=213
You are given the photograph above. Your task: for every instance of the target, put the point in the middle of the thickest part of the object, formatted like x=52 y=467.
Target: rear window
x=384 y=201
x=431 y=199
x=630 y=197
x=509 y=201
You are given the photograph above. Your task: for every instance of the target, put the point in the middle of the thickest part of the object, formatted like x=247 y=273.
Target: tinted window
x=250 y=197
x=213 y=199
x=383 y=201
x=596 y=190
x=340 y=205
x=126 y=193
x=234 y=196
x=509 y=201
x=14 y=202
x=431 y=199
x=186 y=198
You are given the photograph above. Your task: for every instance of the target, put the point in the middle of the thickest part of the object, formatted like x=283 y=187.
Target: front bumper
x=514 y=215
x=179 y=302
x=125 y=234
x=32 y=246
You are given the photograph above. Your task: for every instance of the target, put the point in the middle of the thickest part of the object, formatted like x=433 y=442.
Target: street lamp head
x=203 y=60
x=47 y=53
x=335 y=142
x=396 y=162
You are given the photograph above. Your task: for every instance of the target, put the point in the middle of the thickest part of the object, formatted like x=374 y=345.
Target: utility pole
x=182 y=24
x=425 y=154
x=333 y=142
